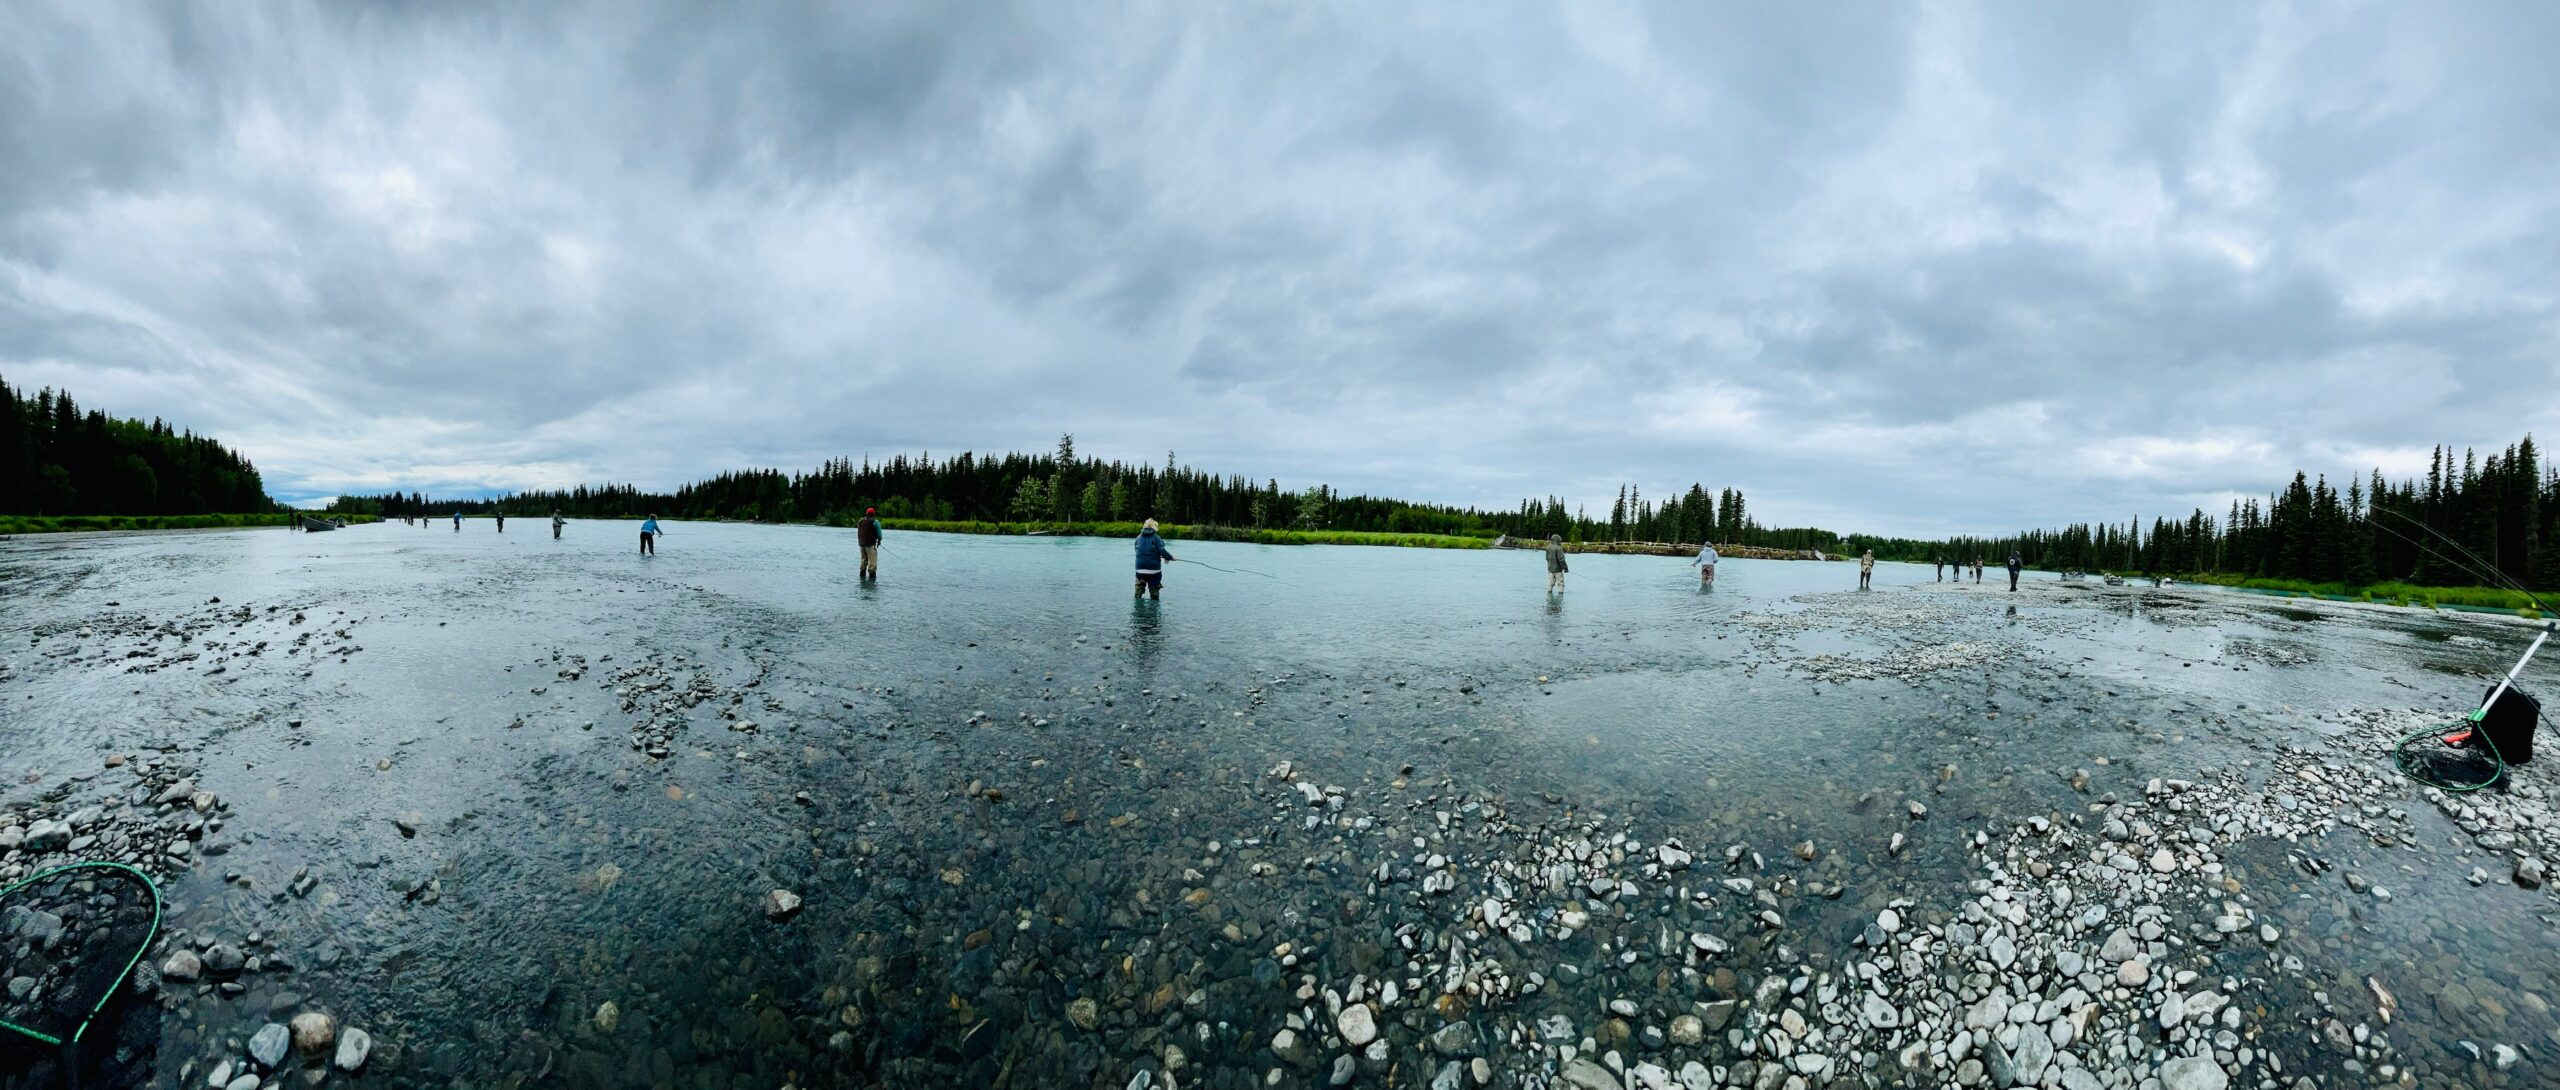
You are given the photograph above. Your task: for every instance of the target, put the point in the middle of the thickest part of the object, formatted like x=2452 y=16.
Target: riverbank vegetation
x=57 y=459
x=63 y=524
x=2501 y=514
x=1178 y=532
x=2388 y=593
x=1061 y=491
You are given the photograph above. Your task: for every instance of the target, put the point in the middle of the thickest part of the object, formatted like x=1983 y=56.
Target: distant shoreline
x=12 y=525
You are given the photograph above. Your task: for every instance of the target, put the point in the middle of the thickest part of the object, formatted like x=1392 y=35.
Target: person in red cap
x=867 y=534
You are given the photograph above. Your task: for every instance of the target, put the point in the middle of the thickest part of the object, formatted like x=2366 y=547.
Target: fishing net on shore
x=70 y=938
x=2473 y=752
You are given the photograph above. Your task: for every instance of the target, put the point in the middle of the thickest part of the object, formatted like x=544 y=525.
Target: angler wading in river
x=1152 y=557
x=866 y=536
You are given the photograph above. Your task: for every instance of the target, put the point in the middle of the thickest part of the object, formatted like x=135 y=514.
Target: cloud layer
x=1896 y=268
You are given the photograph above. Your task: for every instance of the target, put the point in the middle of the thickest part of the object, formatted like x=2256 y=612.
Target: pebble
x=781 y=904
x=314 y=1032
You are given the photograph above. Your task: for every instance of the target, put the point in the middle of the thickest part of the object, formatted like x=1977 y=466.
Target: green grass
x=57 y=524
x=1191 y=533
x=2387 y=593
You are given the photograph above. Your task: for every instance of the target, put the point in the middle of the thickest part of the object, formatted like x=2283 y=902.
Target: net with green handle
x=70 y=937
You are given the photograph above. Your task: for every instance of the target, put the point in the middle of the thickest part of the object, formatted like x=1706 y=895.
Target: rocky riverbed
x=448 y=809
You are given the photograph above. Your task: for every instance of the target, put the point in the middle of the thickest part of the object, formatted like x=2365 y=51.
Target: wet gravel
x=432 y=810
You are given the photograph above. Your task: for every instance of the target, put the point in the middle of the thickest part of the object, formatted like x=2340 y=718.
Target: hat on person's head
x=1555 y=537
x=1151 y=524
x=870 y=510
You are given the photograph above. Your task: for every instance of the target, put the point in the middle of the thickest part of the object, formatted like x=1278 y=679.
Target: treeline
x=56 y=459
x=1063 y=488
x=2504 y=509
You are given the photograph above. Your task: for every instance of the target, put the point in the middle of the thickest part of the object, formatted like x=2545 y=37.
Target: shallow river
x=514 y=807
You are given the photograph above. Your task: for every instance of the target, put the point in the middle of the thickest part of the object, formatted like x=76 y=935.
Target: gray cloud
x=1899 y=268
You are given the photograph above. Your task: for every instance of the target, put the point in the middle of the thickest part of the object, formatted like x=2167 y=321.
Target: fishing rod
x=2475 y=726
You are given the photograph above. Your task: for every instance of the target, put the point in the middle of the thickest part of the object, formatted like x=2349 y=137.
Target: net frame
x=115 y=984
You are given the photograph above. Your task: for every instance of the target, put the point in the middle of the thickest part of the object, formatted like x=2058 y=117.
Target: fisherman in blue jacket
x=1152 y=557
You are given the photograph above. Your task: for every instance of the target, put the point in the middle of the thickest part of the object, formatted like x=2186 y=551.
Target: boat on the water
x=313 y=525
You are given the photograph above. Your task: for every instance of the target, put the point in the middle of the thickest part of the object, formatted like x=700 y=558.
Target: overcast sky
x=1897 y=268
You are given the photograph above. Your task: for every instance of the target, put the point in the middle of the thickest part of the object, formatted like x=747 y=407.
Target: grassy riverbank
x=2389 y=593
x=1190 y=533
x=59 y=524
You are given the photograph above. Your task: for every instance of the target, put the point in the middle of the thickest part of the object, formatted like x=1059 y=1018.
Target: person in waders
x=1977 y=569
x=2014 y=567
x=502 y=522
x=1555 y=564
x=556 y=523
x=649 y=536
x=457 y=522
x=866 y=535
x=1706 y=562
x=1152 y=557
x=1867 y=570
x=1940 y=564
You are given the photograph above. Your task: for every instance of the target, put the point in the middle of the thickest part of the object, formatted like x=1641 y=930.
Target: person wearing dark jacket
x=866 y=534
x=2014 y=567
x=1152 y=557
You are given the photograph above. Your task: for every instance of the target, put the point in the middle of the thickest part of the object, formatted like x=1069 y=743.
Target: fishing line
x=1230 y=571
x=2433 y=553
x=2478 y=567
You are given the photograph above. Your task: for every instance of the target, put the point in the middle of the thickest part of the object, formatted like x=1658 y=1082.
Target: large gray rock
x=354 y=1046
x=34 y=925
x=1881 y=1012
x=47 y=836
x=183 y=967
x=268 y=1044
x=1358 y=1024
x=1455 y=1039
x=2173 y=1010
x=1582 y=1074
x=2121 y=946
x=2193 y=1073
x=2034 y=1053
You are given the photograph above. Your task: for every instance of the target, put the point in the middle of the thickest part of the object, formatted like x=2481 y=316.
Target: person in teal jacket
x=1152 y=557
x=649 y=536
